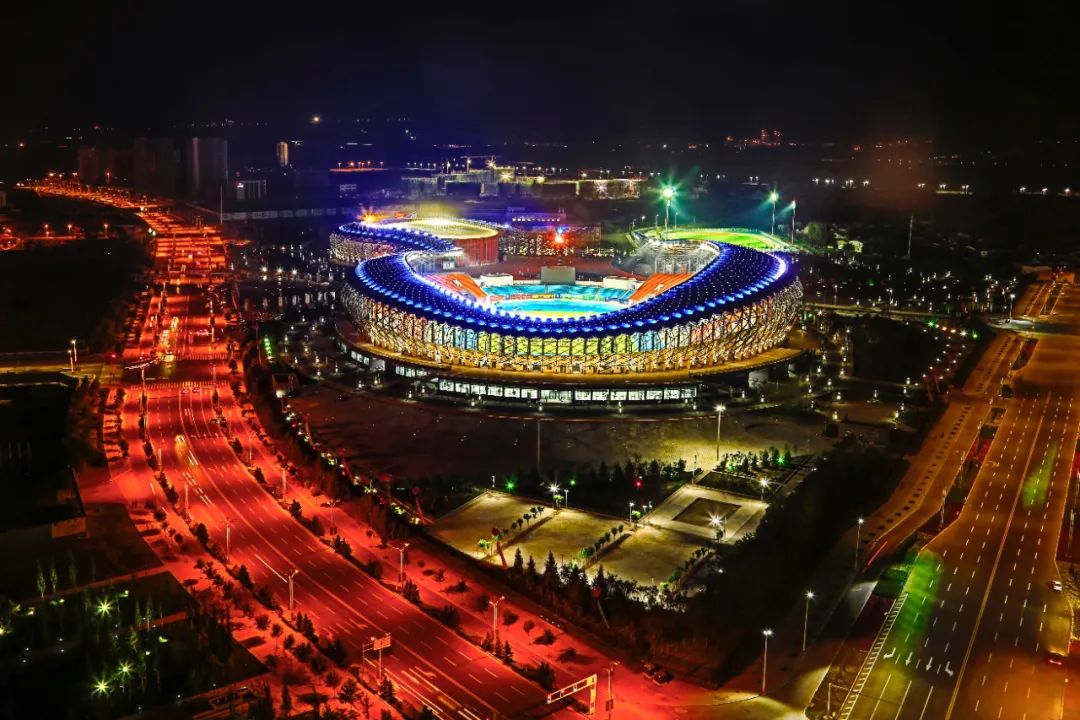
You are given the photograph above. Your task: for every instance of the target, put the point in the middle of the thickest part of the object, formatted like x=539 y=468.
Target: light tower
x=668 y=193
x=773 y=197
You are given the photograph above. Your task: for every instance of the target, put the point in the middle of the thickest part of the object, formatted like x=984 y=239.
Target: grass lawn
x=755 y=241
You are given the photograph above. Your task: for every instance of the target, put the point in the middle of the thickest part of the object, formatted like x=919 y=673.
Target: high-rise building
x=206 y=165
x=102 y=165
x=154 y=166
x=283 y=154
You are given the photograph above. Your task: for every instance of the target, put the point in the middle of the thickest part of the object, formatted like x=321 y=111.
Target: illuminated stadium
x=414 y=314
x=358 y=241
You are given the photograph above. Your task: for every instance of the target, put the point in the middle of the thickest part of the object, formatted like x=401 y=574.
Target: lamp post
x=792 y=221
x=764 y=484
x=806 y=618
x=773 y=197
x=719 y=414
x=495 y=619
x=1012 y=297
x=75 y=349
x=858 y=539
x=766 y=633
x=610 y=695
x=333 y=503
x=668 y=193
x=554 y=490
x=71 y=361
x=631 y=512
x=228 y=536
x=284 y=483
x=401 y=563
x=292 y=587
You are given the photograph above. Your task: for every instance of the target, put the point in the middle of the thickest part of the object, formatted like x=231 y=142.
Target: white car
x=1055 y=585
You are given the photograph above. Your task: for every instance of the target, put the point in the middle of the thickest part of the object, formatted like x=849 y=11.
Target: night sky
x=992 y=72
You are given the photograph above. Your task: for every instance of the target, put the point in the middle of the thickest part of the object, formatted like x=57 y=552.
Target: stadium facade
x=414 y=315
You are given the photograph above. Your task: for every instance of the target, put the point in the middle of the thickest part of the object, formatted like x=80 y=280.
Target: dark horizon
x=999 y=75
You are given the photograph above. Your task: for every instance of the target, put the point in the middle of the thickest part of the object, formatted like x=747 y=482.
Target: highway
x=979 y=619
x=428 y=661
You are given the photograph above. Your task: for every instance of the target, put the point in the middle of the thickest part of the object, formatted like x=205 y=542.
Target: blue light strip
x=737 y=277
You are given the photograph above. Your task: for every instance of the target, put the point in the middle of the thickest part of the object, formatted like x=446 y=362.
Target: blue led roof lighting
x=736 y=277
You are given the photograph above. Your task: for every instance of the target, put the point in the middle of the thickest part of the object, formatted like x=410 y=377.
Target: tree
x=296 y=510
x=386 y=690
x=519 y=563
x=41 y=587
x=348 y=691
x=244 y=577
x=286 y=699
x=54 y=579
x=507 y=653
x=73 y=571
x=817 y=233
x=202 y=534
x=545 y=676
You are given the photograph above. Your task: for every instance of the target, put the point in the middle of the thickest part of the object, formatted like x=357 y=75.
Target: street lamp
x=401 y=563
x=719 y=414
x=333 y=503
x=858 y=539
x=631 y=512
x=1012 y=296
x=766 y=633
x=75 y=350
x=717 y=524
x=806 y=618
x=773 y=197
x=764 y=483
x=792 y=221
x=554 y=490
x=495 y=619
x=668 y=193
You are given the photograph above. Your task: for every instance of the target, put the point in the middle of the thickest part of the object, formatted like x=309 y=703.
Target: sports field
x=750 y=239
x=447 y=228
x=557 y=301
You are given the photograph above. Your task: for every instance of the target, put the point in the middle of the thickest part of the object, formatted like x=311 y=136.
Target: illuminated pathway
x=979 y=617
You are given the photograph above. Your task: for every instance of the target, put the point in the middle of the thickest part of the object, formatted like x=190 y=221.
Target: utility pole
x=284 y=483
x=292 y=587
x=911 y=229
x=495 y=620
x=610 y=695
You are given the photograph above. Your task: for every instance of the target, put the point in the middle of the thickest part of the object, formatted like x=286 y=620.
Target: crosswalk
x=871 y=658
x=178 y=384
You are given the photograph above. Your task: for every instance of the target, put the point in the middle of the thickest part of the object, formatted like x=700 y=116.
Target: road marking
x=881 y=694
x=903 y=700
x=993 y=573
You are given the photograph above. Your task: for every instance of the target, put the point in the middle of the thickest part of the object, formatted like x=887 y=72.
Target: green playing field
x=756 y=241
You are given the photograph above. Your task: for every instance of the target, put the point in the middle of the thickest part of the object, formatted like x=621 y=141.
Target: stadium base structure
x=411 y=318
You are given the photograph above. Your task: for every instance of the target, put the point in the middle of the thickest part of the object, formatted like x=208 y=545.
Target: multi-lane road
x=980 y=621
x=428 y=663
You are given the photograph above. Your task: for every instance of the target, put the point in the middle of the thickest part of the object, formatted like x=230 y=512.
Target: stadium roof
x=737 y=277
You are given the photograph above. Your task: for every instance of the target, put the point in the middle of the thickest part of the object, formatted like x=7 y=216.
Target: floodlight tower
x=668 y=193
x=773 y=197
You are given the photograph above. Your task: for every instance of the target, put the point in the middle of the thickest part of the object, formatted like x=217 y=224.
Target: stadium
x=359 y=241
x=552 y=336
